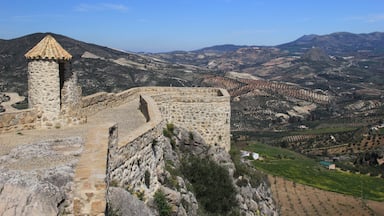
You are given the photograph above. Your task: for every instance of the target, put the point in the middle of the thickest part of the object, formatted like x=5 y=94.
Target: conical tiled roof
x=48 y=48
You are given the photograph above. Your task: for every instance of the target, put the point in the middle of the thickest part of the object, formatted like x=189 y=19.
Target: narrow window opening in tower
x=62 y=78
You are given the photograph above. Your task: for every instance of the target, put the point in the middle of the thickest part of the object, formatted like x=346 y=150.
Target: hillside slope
x=99 y=68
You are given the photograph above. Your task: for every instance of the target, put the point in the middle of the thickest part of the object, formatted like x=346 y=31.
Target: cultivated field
x=298 y=199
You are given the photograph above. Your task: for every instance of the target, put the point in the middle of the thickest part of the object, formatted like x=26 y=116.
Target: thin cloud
x=101 y=7
x=369 y=18
x=376 y=18
x=34 y=17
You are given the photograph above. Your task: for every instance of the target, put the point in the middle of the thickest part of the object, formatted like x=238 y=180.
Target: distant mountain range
x=103 y=68
x=342 y=73
x=99 y=68
x=341 y=43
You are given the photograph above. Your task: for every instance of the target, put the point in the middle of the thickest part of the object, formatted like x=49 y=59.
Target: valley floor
x=298 y=199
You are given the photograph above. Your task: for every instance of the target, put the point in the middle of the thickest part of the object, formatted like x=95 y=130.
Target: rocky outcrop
x=25 y=194
x=124 y=203
x=178 y=144
x=251 y=200
x=36 y=179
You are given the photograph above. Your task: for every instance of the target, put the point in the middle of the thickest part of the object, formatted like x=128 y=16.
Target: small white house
x=254 y=155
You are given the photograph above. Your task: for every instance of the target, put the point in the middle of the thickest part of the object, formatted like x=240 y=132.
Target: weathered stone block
x=98 y=207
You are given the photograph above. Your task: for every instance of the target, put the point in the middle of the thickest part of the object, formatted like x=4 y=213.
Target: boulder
x=121 y=202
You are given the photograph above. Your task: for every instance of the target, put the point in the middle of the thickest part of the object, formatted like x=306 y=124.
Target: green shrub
x=162 y=204
x=212 y=185
x=147 y=178
x=171 y=181
x=111 y=211
x=140 y=195
x=191 y=138
x=242 y=182
x=167 y=133
x=170 y=127
x=114 y=183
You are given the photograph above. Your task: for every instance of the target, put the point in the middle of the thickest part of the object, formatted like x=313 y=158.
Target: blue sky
x=166 y=25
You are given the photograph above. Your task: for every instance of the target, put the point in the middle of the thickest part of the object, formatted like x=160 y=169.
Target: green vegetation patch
x=163 y=207
x=381 y=131
x=212 y=185
x=301 y=169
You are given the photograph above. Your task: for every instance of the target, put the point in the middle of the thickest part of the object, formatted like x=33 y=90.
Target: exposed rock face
x=124 y=203
x=24 y=194
x=36 y=179
x=252 y=201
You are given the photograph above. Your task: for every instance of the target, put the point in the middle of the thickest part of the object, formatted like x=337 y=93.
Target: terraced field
x=304 y=170
x=298 y=199
x=249 y=87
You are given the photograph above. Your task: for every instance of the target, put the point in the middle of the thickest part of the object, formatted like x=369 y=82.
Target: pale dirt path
x=14 y=98
x=127 y=116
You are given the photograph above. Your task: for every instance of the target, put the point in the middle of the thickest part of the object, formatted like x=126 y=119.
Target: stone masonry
x=52 y=86
x=207 y=113
x=44 y=88
x=126 y=159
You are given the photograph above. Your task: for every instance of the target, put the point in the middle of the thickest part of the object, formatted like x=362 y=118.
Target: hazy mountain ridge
x=312 y=71
x=340 y=43
x=221 y=48
x=100 y=69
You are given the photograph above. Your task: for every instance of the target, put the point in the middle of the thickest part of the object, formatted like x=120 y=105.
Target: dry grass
x=297 y=199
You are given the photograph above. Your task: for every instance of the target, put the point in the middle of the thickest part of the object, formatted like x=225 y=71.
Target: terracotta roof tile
x=48 y=48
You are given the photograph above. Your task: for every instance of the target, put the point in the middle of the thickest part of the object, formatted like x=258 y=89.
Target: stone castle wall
x=18 y=120
x=204 y=110
x=124 y=161
x=71 y=100
x=139 y=154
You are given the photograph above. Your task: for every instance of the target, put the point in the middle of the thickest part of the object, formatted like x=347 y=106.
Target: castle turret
x=52 y=86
